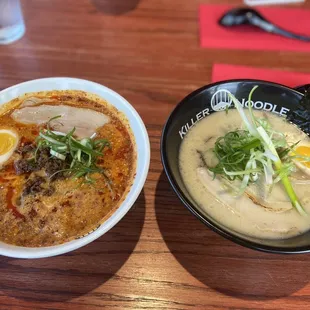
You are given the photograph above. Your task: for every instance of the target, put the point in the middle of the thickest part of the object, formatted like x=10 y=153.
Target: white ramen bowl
x=142 y=148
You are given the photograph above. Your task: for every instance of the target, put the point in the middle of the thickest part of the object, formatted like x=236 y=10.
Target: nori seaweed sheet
x=301 y=115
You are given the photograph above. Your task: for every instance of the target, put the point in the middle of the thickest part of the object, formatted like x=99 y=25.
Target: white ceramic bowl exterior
x=143 y=158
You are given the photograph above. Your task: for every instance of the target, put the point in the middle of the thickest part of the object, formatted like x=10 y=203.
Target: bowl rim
x=204 y=219
x=125 y=205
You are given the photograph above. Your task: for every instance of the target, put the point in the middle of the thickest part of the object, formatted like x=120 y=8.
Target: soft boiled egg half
x=302 y=164
x=8 y=143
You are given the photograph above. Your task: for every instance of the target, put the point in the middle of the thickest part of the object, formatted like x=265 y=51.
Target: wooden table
x=159 y=256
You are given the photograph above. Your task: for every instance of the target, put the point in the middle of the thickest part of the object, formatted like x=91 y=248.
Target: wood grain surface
x=159 y=256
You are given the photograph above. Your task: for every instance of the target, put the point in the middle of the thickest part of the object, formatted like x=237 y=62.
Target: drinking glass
x=12 y=25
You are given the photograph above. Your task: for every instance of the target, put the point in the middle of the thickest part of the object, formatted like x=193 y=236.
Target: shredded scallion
x=81 y=156
x=255 y=151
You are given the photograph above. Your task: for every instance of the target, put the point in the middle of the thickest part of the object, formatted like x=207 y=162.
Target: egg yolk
x=303 y=151
x=7 y=142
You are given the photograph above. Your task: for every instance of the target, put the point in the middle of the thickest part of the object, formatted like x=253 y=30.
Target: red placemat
x=222 y=72
x=249 y=38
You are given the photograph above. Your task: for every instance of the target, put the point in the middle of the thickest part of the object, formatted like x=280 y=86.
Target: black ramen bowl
x=268 y=96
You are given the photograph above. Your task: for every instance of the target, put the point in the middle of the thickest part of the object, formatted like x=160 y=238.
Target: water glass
x=12 y=25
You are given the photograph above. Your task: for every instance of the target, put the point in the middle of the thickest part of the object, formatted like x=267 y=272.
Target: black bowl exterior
x=271 y=97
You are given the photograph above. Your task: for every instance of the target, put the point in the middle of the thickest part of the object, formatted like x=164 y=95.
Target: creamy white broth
x=256 y=213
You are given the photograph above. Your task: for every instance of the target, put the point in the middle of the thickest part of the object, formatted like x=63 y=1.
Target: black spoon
x=246 y=16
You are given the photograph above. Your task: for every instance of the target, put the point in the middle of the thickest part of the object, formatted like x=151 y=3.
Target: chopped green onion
x=278 y=164
x=247 y=154
x=58 y=155
x=51 y=140
x=80 y=155
x=243 y=172
x=249 y=125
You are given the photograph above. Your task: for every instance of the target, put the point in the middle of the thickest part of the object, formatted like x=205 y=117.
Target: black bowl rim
x=207 y=221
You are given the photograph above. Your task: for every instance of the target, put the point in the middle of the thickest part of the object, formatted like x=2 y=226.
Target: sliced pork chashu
x=84 y=120
x=34 y=101
x=266 y=212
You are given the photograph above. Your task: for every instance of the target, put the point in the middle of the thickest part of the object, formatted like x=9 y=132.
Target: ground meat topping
x=42 y=161
x=26 y=148
x=33 y=185
x=53 y=166
x=23 y=166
